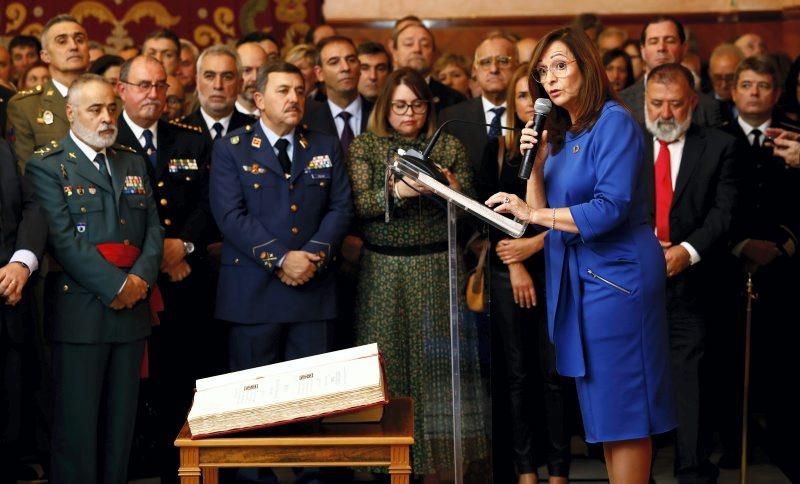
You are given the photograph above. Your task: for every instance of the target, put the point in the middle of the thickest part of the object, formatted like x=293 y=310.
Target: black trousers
x=686 y=317
x=519 y=392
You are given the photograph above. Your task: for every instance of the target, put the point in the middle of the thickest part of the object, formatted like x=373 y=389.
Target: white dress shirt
x=138 y=131
x=489 y=114
x=210 y=122
x=355 y=108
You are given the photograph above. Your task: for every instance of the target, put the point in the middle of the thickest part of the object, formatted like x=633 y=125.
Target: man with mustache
x=36 y=117
x=252 y=57
x=177 y=157
x=663 y=41
x=281 y=197
x=106 y=237
x=690 y=176
x=218 y=85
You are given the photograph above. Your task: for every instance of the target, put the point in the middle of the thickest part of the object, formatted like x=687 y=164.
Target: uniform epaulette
x=191 y=127
x=29 y=92
x=49 y=150
x=124 y=148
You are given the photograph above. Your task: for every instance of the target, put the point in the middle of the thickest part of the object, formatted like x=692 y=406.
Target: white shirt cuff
x=26 y=257
x=694 y=257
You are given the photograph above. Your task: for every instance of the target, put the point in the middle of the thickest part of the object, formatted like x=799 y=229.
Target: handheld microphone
x=542 y=108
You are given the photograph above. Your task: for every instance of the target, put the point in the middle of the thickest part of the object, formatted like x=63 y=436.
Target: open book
x=306 y=388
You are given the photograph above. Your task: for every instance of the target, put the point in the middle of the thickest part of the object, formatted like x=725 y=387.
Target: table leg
x=400 y=465
x=189 y=470
x=210 y=475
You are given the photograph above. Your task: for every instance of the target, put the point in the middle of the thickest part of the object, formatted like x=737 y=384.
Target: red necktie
x=663 y=191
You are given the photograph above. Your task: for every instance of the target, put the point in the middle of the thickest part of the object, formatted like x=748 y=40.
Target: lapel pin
x=47 y=117
x=235 y=140
x=303 y=142
x=71 y=155
x=63 y=171
x=50 y=92
x=92 y=189
x=79 y=190
x=575 y=149
x=256 y=143
x=68 y=190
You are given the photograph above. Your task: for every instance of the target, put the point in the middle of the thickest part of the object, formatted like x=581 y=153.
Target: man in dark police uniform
x=104 y=232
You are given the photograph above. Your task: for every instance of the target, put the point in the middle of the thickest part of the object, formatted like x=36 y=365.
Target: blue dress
x=605 y=285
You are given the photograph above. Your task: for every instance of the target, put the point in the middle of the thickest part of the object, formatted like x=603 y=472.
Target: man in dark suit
x=690 y=178
x=218 y=84
x=105 y=234
x=36 y=117
x=251 y=58
x=721 y=66
x=183 y=347
x=663 y=41
x=281 y=197
x=22 y=237
x=765 y=237
x=413 y=46
x=344 y=113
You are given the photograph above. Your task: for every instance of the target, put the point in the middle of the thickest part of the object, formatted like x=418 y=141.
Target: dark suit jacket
x=706 y=113
x=5 y=95
x=705 y=191
x=238 y=120
x=183 y=187
x=482 y=154
x=770 y=193
x=22 y=226
x=318 y=116
x=443 y=96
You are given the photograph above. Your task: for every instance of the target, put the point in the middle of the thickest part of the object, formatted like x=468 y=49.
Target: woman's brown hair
x=379 y=118
x=512 y=137
x=594 y=92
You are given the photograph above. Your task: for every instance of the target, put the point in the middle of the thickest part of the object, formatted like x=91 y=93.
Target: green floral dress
x=402 y=301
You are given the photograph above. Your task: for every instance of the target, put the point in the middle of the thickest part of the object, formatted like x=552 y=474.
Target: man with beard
x=218 y=85
x=663 y=41
x=692 y=187
x=252 y=57
x=105 y=234
x=36 y=117
x=281 y=197
x=413 y=46
x=177 y=158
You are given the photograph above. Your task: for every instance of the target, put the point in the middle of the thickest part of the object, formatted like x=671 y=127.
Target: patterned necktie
x=283 y=155
x=347 y=132
x=100 y=159
x=494 y=129
x=663 y=191
x=149 y=147
x=217 y=130
x=756 y=138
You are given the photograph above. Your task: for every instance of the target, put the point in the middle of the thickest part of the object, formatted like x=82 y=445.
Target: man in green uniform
x=105 y=233
x=36 y=117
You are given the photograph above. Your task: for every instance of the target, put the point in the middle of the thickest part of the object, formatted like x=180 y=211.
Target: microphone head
x=543 y=106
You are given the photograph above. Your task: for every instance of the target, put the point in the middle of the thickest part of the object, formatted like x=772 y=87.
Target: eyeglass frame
x=501 y=61
x=537 y=76
x=146 y=86
x=423 y=103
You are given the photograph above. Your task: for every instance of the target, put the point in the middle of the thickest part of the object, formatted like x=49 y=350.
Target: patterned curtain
x=122 y=23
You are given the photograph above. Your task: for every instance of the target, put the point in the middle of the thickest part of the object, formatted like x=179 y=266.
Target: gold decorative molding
x=16 y=13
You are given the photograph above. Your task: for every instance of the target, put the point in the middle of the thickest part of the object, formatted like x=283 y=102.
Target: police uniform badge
x=68 y=190
x=47 y=117
x=256 y=143
x=79 y=190
x=80 y=227
x=92 y=189
x=235 y=140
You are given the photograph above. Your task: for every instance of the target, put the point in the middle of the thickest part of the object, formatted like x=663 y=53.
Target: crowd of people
x=193 y=212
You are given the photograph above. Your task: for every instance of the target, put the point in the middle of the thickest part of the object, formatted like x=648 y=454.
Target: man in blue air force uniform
x=281 y=197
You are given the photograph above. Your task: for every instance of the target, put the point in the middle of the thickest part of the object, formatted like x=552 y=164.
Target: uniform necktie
x=100 y=159
x=149 y=147
x=756 y=138
x=494 y=129
x=283 y=155
x=217 y=130
x=347 y=133
x=663 y=191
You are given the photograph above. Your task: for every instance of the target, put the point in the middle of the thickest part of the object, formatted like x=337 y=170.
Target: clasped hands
x=133 y=291
x=174 y=262
x=13 y=277
x=298 y=267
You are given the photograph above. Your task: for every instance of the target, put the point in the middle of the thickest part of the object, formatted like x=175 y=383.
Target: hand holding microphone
x=533 y=136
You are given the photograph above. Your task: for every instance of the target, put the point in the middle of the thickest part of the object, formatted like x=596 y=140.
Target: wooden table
x=331 y=445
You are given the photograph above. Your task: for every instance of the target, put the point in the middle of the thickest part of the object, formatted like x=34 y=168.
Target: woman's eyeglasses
x=417 y=107
x=558 y=68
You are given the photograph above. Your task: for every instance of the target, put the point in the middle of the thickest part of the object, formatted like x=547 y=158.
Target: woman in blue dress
x=605 y=269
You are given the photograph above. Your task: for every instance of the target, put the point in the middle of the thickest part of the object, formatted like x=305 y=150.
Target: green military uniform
x=36 y=117
x=97 y=351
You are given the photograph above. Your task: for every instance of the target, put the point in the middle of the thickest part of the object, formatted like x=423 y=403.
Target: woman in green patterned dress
x=403 y=291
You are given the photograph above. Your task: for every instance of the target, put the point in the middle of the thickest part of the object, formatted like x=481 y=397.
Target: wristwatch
x=188 y=247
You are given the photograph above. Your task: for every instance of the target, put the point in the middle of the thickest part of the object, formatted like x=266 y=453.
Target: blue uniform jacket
x=263 y=215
